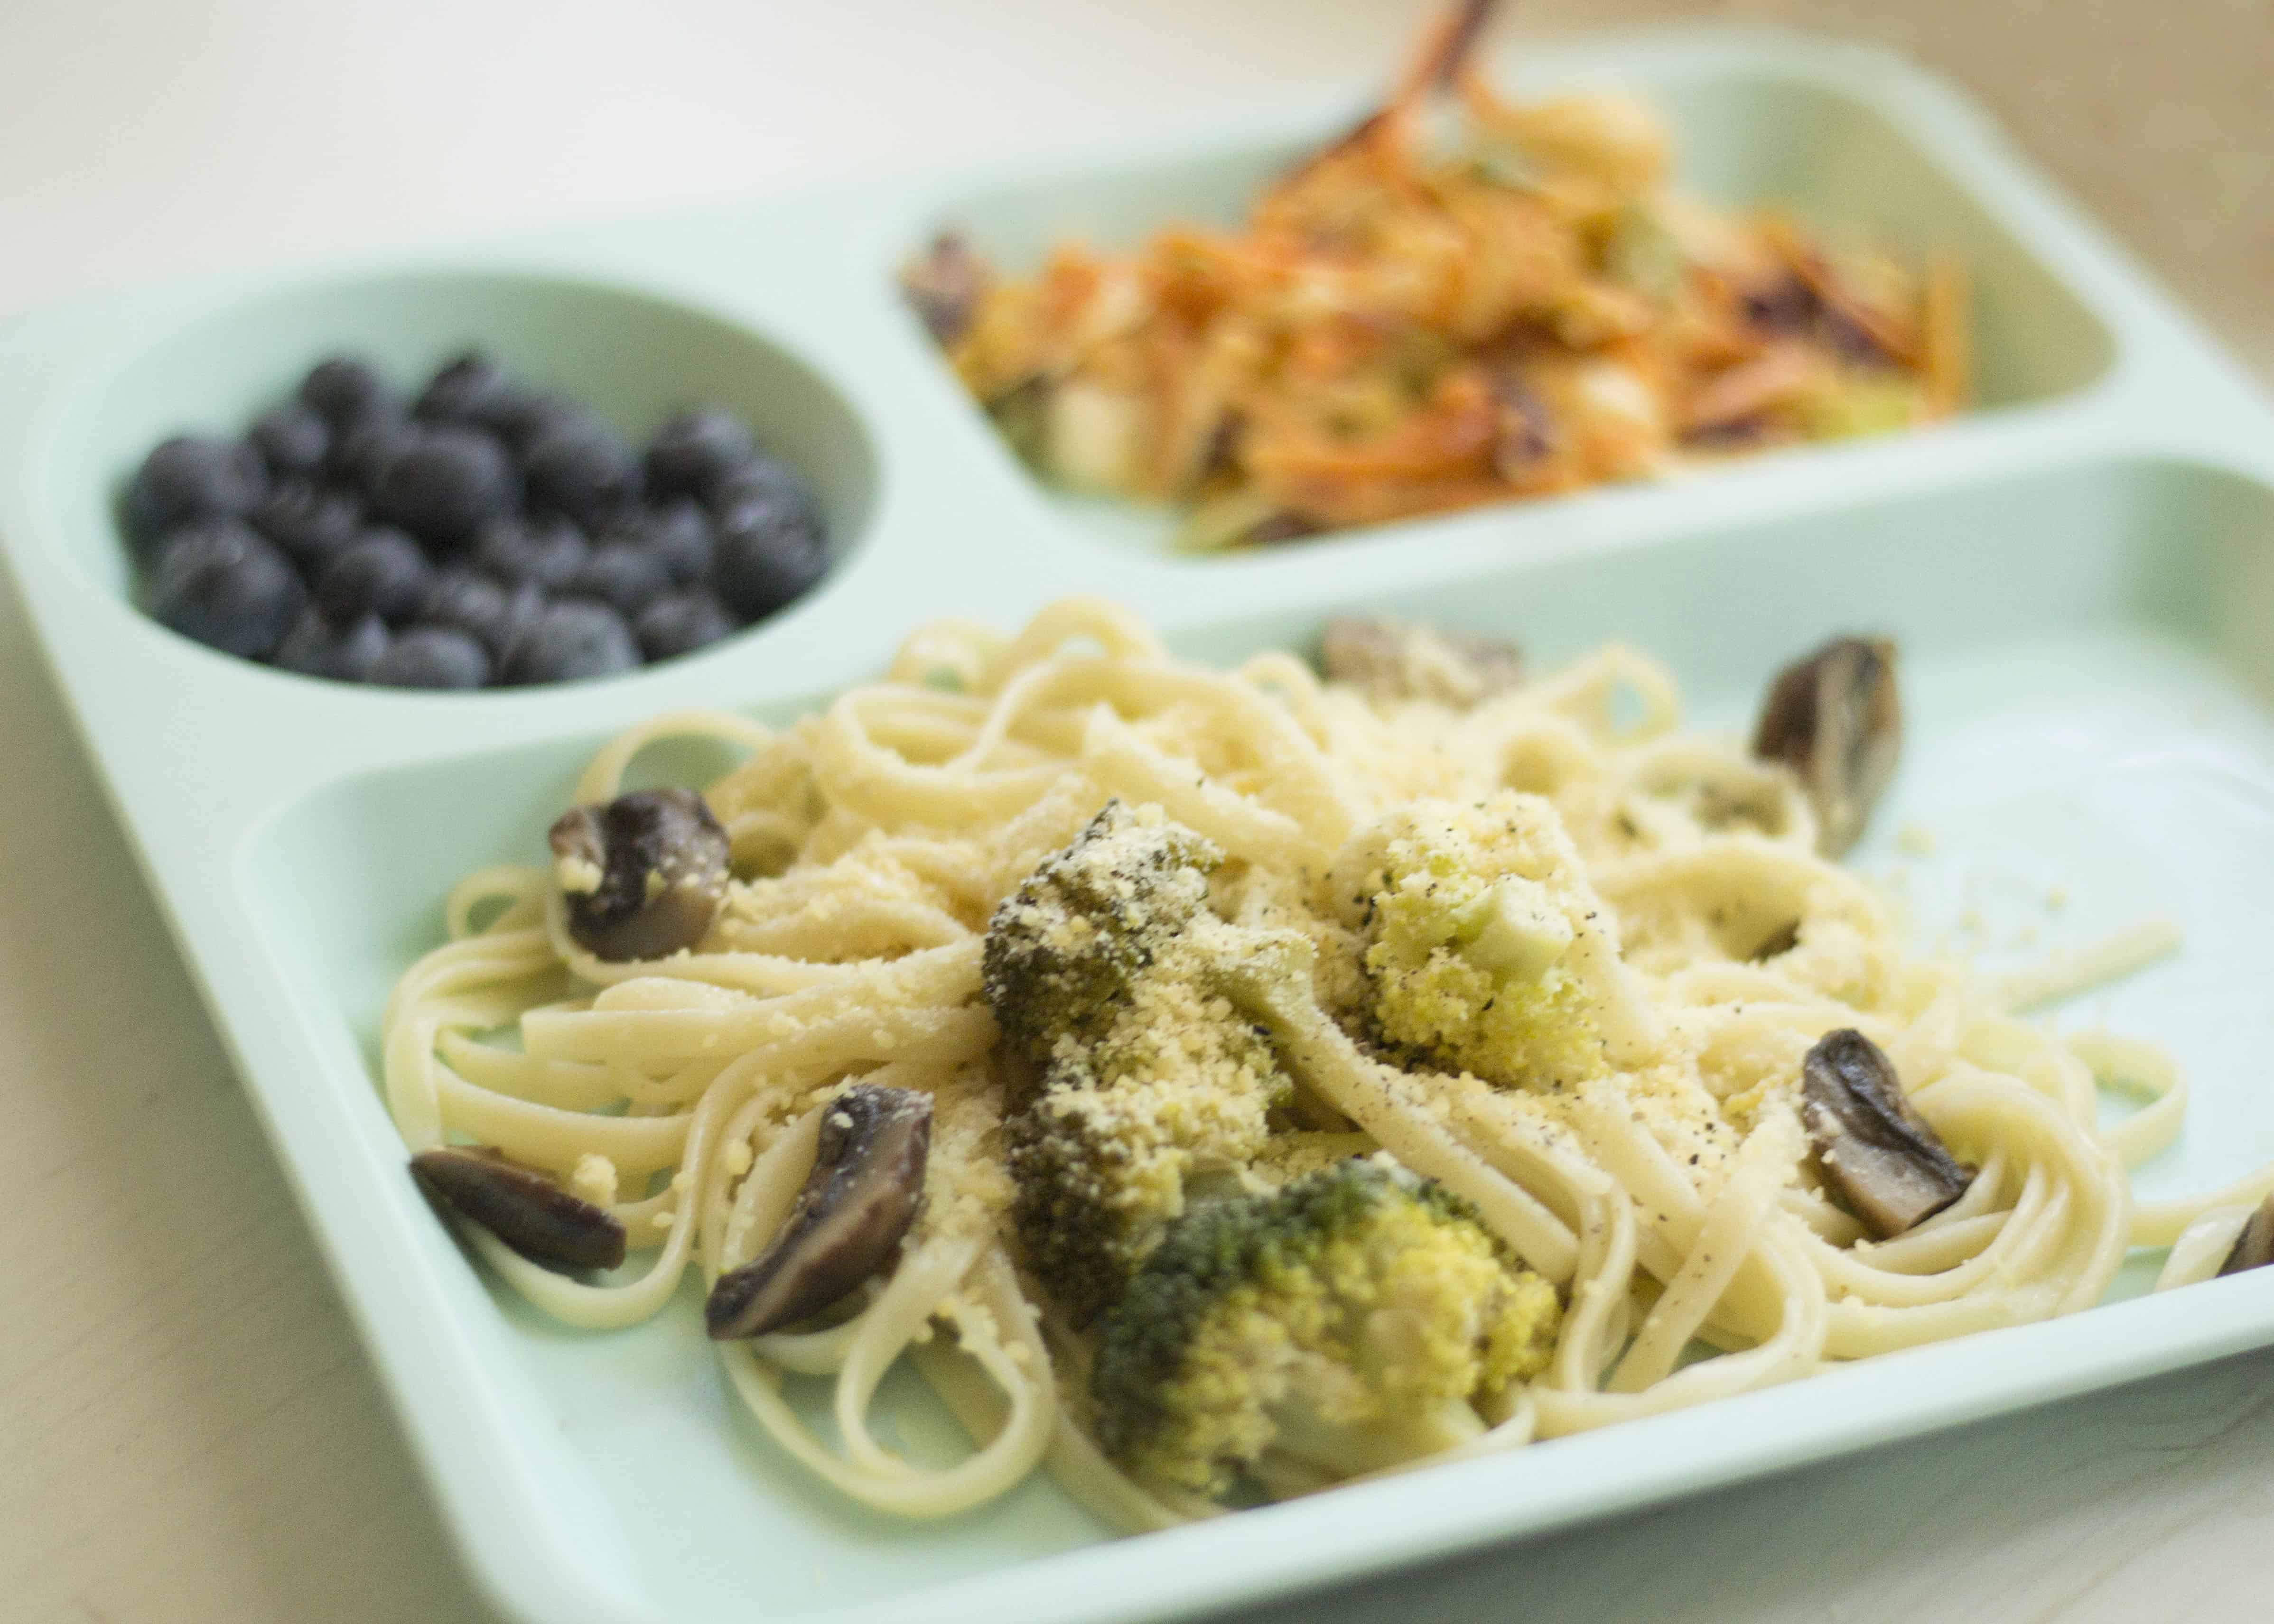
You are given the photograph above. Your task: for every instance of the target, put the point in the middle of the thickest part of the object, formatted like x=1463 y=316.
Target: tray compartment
x=1745 y=134
x=2068 y=636
x=633 y=356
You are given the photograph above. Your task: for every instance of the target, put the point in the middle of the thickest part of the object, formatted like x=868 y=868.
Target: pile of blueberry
x=486 y=533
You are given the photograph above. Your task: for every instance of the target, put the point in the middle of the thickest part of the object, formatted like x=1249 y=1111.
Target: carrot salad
x=1465 y=299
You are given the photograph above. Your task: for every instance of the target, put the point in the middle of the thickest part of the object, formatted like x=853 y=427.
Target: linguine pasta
x=1668 y=1196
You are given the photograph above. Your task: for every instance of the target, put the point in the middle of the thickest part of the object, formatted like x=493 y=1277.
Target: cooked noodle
x=1669 y=1197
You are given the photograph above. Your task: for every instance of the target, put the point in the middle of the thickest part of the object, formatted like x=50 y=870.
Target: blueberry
x=522 y=604
x=475 y=392
x=361 y=457
x=446 y=484
x=681 y=622
x=292 y=439
x=383 y=572
x=218 y=581
x=677 y=535
x=569 y=641
x=764 y=479
x=770 y=552
x=626 y=578
x=581 y=467
x=464 y=599
x=693 y=454
x=316 y=648
x=533 y=414
x=310 y=522
x=433 y=657
x=191 y=477
x=544 y=550
x=348 y=389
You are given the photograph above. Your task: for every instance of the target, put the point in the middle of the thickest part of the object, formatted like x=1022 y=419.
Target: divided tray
x=2081 y=571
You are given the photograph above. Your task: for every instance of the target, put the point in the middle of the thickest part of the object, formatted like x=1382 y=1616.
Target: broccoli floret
x=1470 y=914
x=1145 y=1088
x=1064 y=950
x=1171 y=1106
x=1356 y=1319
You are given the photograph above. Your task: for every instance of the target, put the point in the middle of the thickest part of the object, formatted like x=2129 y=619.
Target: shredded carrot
x=1416 y=317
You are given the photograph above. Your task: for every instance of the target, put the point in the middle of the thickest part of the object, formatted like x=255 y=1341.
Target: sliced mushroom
x=1397 y=660
x=945 y=285
x=1836 y=719
x=521 y=1206
x=643 y=875
x=864 y=1191
x=2253 y=1248
x=1876 y=1153
x=1777 y=943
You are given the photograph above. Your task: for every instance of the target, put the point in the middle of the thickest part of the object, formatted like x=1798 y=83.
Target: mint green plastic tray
x=2082 y=573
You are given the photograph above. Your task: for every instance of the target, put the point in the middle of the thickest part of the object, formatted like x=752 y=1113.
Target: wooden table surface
x=188 y=1429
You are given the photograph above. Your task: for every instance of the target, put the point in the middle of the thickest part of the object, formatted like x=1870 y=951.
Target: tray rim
x=527 y=1568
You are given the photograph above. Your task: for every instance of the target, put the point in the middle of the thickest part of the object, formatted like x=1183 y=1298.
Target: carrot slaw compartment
x=1472 y=296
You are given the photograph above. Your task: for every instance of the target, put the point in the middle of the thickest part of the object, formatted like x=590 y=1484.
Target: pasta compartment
x=2107 y=626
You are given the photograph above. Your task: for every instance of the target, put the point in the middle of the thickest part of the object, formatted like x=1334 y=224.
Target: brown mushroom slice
x=643 y=875
x=944 y=285
x=2253 y=1248
x=1777 y=943
x=1836 y=719
x=1875 y=1153
x=521 y=1206
x=866 y=1184
x=1395 y=660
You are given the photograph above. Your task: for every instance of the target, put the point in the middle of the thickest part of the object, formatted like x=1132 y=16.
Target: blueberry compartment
x=633 y=357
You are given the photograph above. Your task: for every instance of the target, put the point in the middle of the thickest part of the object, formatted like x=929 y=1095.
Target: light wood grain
x=187 y=1428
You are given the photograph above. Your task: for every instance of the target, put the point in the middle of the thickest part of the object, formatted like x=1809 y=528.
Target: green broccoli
x=1470 y=915
x=1064 y=950
x=1356 y=1319
x=1139 y=1086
